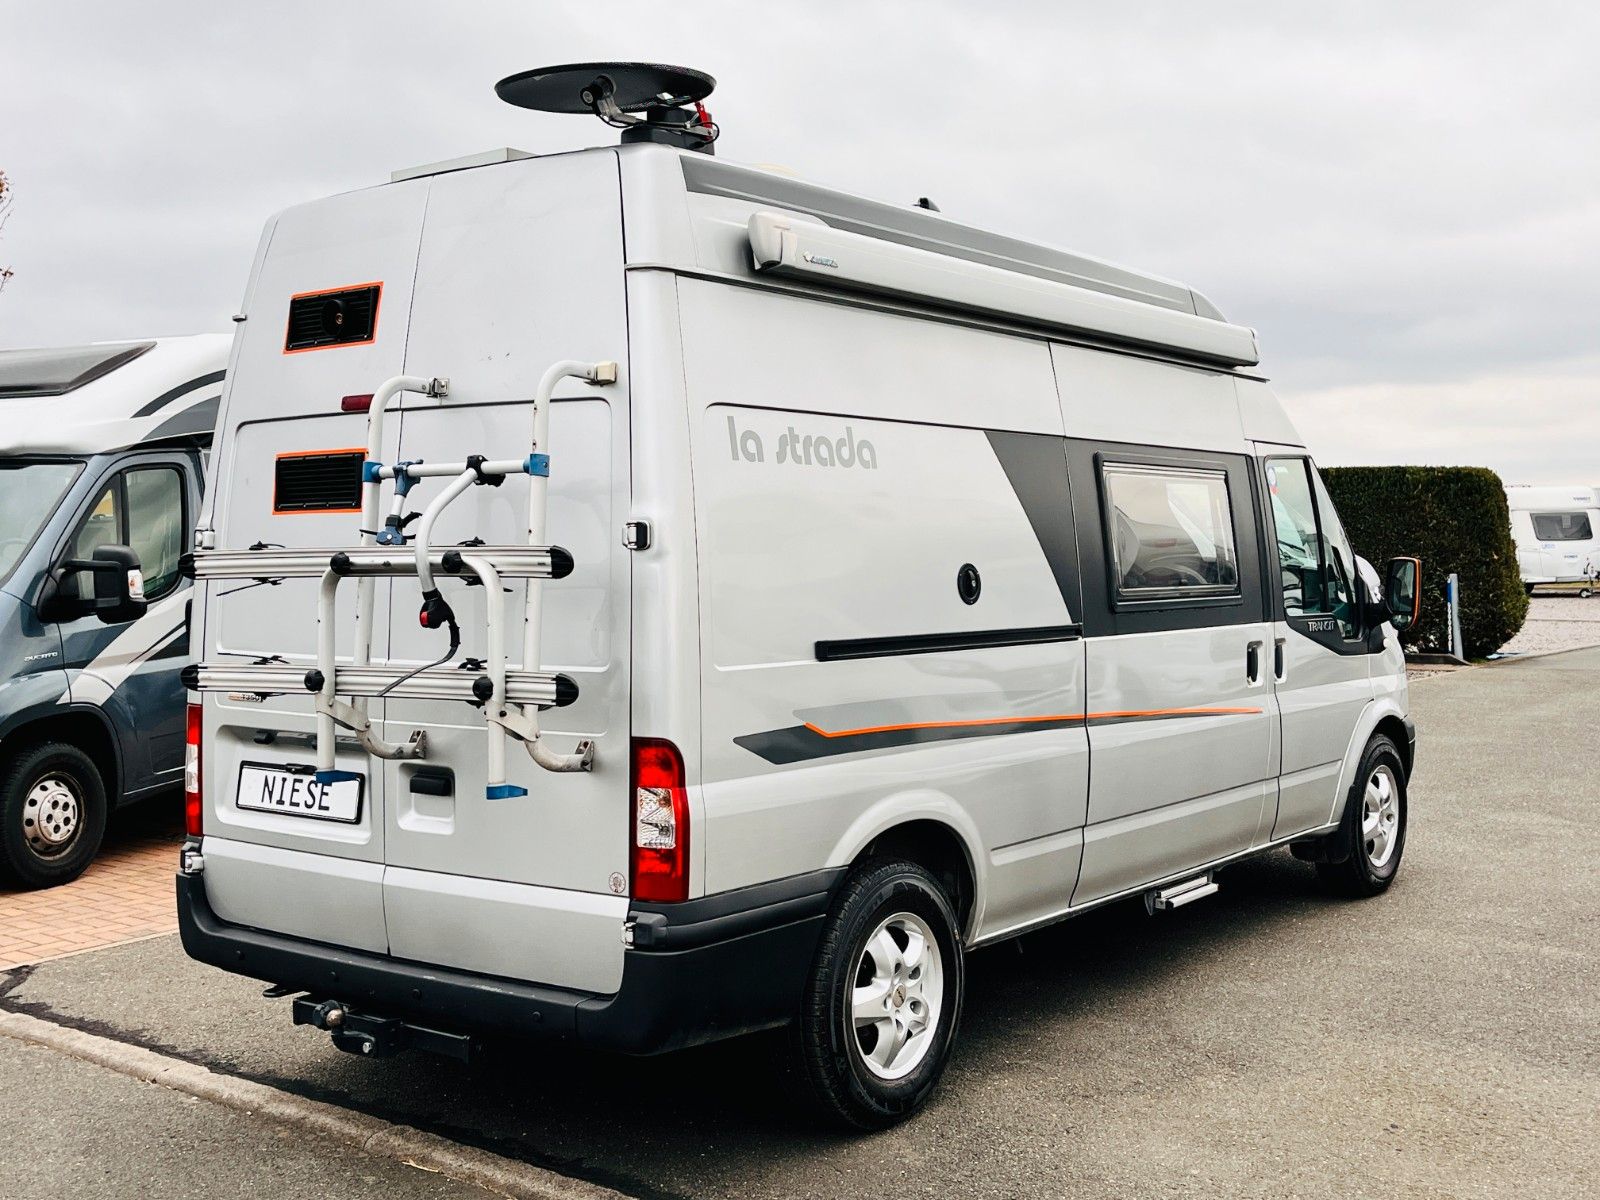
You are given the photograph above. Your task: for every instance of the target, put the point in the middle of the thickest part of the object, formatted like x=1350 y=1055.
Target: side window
x=156 y=525
x=1171 y=531
x=1341 y=562
x=101 y=526
x=1561 y=527
x=141 y=508
x=1314 y=559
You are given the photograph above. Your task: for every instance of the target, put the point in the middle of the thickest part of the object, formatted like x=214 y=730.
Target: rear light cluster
x=660 y=850
x=193 y=822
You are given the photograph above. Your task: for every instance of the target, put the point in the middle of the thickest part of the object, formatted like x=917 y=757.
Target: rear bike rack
x=510 y=699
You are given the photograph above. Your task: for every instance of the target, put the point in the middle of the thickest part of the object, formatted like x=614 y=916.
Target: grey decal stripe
x=200 y=418
x=168 y=397
x=1036 y=465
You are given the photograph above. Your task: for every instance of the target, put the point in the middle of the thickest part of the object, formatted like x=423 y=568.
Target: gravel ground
x=1557 y=623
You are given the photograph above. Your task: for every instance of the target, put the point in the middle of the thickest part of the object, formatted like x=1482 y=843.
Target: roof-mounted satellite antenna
x=649 y=102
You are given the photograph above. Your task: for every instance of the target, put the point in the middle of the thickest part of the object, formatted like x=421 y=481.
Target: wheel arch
x=80 y=725
x=1383 y=716
x=929 y=829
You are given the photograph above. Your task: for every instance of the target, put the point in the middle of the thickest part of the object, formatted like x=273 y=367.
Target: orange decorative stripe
x=1053 y=717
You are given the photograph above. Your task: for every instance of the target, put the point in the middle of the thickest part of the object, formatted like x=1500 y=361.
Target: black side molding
x=933 y=643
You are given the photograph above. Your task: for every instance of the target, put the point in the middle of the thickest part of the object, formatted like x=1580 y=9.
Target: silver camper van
x=645 y=600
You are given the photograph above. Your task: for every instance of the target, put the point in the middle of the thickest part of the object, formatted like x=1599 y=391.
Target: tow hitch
x=378 y=1037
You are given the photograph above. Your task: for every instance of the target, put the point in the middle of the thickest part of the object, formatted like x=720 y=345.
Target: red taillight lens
x=355 y=403
x=660 y=844
x=192 y=811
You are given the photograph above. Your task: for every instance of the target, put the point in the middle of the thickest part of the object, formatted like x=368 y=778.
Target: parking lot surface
x=125 y=894
x=1441 y=1040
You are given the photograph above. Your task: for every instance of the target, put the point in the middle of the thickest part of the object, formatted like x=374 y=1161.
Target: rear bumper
x=698 y=971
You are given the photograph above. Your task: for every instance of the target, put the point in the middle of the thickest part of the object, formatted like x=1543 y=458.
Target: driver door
x=130 y=669
x=1322 y=653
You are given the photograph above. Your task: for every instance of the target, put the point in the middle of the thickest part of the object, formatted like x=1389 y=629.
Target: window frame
x=1588 y=525
x=117 y=478
x=1356 y=642
x=1157 y=599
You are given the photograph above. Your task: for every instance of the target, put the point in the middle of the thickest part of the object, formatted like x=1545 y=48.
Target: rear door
x=1322 y=653
x=520 y=267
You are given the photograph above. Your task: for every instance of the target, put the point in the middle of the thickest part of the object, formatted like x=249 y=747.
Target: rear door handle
x=1252 y=664
x=1280 y=663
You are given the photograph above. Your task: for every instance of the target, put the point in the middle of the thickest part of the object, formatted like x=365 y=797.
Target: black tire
x=39 y=786
x=825 y=1049
x=1351 y=867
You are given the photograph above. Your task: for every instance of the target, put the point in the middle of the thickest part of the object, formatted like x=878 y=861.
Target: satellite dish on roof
x=649 y=102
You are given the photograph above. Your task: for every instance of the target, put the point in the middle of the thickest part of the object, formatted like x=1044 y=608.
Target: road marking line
x=384 y=1139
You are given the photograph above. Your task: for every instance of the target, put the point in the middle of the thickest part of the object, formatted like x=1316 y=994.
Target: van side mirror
x=1402 y=593
x=118 y=583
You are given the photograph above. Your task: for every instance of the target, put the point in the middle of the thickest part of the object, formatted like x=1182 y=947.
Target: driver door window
x=141 y=508
x=1315 y=563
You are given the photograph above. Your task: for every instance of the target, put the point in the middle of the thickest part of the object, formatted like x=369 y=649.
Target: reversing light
x=193 y=820
x=660 y=849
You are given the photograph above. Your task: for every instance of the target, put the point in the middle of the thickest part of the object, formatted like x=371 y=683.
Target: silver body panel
x=814 y=467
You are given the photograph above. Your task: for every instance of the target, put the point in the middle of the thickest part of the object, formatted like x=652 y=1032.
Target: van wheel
x=880 y=1010
x=52 y=815
x=1365 y=850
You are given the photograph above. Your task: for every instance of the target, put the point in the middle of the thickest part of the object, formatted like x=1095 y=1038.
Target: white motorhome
x=1557 y=532
x=783 y=563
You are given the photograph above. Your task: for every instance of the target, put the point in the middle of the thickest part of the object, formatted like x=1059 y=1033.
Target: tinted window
x=1314 y=558
x=1562 y=527
x=155 y=525
x=1171 y=531
x=143 y=509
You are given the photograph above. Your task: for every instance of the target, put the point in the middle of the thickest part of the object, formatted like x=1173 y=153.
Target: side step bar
x=1176 y=895
x=517 y=562
x=437 y=683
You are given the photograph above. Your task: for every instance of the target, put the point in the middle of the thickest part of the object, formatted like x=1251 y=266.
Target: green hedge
x=1453 y=519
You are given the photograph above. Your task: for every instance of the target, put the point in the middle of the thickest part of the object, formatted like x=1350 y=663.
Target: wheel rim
x=1380 y=817
x=895 y=1003
x=52 y=815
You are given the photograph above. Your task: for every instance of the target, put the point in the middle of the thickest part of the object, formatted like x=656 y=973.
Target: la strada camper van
x=698 y=598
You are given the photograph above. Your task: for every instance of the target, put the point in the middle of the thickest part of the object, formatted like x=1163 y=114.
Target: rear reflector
x=660 y=850
x=356 y=403
x=193 y=818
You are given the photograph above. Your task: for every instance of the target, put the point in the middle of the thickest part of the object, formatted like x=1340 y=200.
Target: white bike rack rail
x=510 y=699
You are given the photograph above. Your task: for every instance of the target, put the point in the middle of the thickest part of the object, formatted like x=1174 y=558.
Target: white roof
x=1554 y=496
x=93 y=399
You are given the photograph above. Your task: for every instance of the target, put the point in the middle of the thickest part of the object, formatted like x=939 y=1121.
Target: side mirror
x=1402 y=593
x=118 y=583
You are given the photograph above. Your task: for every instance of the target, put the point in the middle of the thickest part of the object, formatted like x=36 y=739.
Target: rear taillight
x=192 y=820
x=660 y=822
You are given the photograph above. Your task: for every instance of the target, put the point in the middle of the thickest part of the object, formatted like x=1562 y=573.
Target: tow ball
x=371 y=1036
x=354 y=1033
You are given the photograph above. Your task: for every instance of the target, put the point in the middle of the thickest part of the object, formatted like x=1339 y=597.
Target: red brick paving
x=126 y=893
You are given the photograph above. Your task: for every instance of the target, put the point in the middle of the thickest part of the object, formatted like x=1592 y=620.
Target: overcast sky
x=1403 y=198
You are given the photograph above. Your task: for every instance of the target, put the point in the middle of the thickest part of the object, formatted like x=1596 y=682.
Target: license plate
x=295 y=792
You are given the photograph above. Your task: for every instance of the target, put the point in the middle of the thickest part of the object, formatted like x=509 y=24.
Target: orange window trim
x=377 y=305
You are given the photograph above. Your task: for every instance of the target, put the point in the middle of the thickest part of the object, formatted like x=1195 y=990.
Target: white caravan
x=647 y=600
x=1557 y=531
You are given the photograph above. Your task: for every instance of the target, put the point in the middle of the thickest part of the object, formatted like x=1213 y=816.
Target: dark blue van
x=102 y=454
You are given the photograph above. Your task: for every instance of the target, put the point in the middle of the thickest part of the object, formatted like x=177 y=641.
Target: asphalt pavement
x=1441 y=1040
